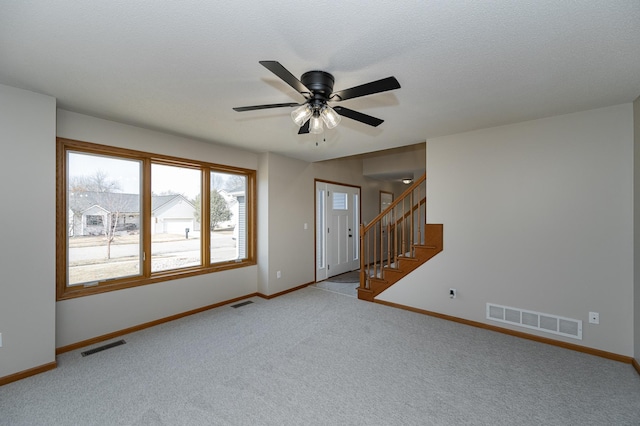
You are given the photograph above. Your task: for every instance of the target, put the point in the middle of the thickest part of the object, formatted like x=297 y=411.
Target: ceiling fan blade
x=358 y=116
x=304 y=128
x=284 y=74
x=254 y=107
x=389 y=83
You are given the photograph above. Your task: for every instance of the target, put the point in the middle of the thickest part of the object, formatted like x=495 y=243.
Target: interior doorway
x=337 y=229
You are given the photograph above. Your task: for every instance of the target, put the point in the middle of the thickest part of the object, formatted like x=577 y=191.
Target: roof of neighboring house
x=237 y=191
x=158 y=201
x=115 y=201
x=109 y=201
x=230 y=199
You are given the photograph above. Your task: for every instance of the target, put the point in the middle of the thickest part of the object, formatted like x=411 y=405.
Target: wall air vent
x=103 y=348
x=535 y=320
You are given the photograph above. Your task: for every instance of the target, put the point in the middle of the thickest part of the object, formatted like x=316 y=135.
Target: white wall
x=27 y=184
x=537 y=215
x=263 y=223
x=290 y=206
x=393 y=162
x=636 y=227
x=91 y=316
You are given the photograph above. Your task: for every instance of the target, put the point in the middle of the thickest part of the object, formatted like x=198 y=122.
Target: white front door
x=337 y=221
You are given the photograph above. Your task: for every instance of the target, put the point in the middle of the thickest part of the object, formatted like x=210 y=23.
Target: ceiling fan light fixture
x=315 y=125
x=301 y=114
x=317 y=89
x=330 y=117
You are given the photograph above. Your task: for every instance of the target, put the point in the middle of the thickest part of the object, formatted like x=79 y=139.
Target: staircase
x=397 y=241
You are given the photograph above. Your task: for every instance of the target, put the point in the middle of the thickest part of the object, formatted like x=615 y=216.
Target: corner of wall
x=263 y=223
x=636 y=228
x=27 y=296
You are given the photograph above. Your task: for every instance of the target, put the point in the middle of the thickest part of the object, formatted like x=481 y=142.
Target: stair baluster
x=410 y=241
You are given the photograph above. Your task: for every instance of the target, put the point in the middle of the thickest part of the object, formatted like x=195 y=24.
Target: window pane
x=320 y=227
x=228 y=219
x=340 y=201
x=175 y=214
x=103 y=217
x=356 y=229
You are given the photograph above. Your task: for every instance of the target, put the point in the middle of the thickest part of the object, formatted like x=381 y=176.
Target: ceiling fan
x=317 y=89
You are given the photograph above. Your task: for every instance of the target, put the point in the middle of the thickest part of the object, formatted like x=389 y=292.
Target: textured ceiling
x=180 y=66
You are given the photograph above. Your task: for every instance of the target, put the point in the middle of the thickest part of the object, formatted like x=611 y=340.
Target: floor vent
x=536 y=320
x=103 y=348
x=240 y=305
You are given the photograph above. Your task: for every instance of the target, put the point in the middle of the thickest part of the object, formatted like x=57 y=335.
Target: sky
x=127 y=173
x=164 y=179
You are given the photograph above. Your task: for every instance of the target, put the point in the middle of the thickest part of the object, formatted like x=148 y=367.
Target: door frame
x=356 y=230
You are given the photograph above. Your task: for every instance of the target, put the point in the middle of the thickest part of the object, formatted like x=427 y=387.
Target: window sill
x=130 y=282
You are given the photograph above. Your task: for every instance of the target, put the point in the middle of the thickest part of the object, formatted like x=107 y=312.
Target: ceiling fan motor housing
x=319 y=82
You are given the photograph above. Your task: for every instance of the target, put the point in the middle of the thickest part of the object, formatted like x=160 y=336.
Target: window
x=340 y=201
x=127 y=218
x=175 y=220
x=93 y=220
x=227 y=216
x=97 y=204
x=320 y=229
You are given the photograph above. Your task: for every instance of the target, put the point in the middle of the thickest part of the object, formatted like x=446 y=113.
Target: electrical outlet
x=279 y=274
x=594 y=318
x=453 y=293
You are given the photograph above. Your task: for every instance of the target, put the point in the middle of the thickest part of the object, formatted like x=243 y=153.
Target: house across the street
x=91 y=211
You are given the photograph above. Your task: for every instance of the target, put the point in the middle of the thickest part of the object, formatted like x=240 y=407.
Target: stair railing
x=393 y=233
